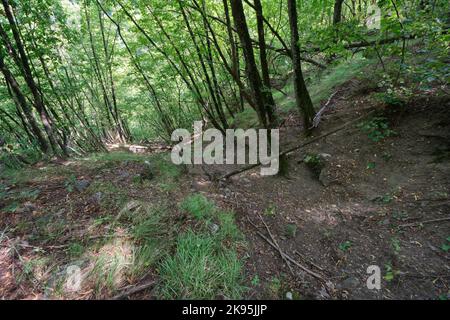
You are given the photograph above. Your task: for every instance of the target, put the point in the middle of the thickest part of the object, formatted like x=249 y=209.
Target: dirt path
x=357 y=214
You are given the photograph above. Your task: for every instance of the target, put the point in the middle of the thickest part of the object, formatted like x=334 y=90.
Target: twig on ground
x=423 y=222
x=134 y=289
x=322 y=110
x=312 y=273
x=309 y=261
x=276 y=244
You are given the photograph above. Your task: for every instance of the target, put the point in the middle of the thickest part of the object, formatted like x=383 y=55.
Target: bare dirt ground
x=385 y=204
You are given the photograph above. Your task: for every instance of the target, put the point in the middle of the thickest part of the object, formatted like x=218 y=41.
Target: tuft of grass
x=205 y=264
x=166 y=169
x=291 y=230
x=274 y=288
x=270 y=211
x=198 y=206
x=153 y=234
x=75 y=250
x=198 y=270
x=246 y=119
x=227 y=226
x=314 y=162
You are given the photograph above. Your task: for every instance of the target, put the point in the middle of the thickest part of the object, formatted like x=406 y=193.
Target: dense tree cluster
x=76 y=75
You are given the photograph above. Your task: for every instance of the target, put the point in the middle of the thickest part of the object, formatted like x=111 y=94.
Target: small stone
x=82 y=185
x=27 y=208
x=350 y=283
x=213 y=227
x=325 y=178
x=123 y=175
x=324 y=156
x=97 y=197
x=148 y=172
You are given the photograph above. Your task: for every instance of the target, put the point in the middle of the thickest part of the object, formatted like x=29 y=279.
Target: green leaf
x=371 y=165
x=445 y=247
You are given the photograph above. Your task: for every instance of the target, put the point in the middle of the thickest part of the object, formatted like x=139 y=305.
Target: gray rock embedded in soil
x=82 y=185
x=148 y=172
x=27 y=208
x=324 y=178
x=349 y=283
x=213 y=227
x=97 y=197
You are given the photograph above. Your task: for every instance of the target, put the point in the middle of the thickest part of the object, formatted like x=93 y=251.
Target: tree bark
x=252 y=70
x=337 y=13
x=270 y=102
x=302 y=97
x=28 y=76
x=26 y=109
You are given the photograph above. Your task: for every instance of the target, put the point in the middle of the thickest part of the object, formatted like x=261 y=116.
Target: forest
x=92 y=205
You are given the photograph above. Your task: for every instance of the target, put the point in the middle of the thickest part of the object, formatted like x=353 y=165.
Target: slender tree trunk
x=337 y=13
x=270 y=102
x=28 y=76
x=26 y=109
x=252 y=70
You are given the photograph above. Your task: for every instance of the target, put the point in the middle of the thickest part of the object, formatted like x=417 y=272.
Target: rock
x=324 y=156
x=27 y=208
x=148 y=172
x=213 y=227
x=82 y=185
x=349 y=283
x=325 y=178
x=123 y=175
x=97 y=197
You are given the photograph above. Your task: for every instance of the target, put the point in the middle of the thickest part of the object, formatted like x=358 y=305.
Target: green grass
x=322 y=87
x=228 y=229
x=198 y=206
x=205 y=264
x=245 y=119
x=201 y=270
x=116 y=156
x=153 y=234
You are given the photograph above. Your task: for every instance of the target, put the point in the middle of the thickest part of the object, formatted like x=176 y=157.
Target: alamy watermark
x=238 y=146
x=374 y=280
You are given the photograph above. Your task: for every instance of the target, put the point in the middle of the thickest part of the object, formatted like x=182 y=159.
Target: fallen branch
x=312 y=273
x=276 y=244
x=423 y=222
x=286 y=152
x=309 y=261
x=133 y=290
x=318 y=115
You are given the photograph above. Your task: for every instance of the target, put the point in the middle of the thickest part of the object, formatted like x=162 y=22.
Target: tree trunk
x=270 y=103
x=28 y=76
x=337 y=14
x=26 y=109
x=302 y=97
x=252 y=70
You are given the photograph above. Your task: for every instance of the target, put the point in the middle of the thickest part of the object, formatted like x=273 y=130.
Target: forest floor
x=136 y=221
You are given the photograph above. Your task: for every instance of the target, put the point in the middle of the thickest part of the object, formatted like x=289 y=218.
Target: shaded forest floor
x=130 y=219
